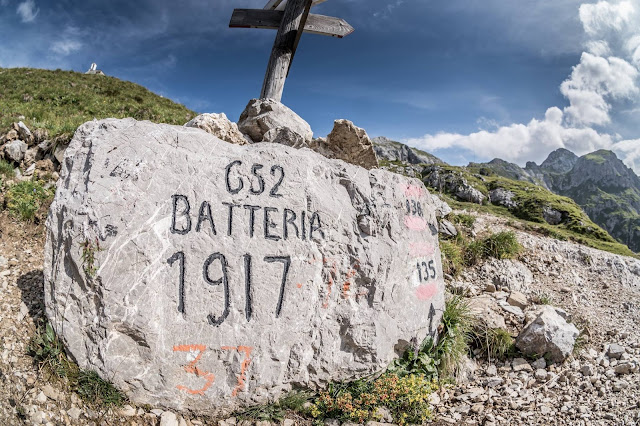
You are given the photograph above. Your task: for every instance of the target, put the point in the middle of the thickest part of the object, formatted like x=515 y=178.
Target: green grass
x=494 y=343
x=294 y=402
x=60 y=101
x=25 y=199
x=6 y=169
x=48 y=352
x=465 y=220
x=553 y=231
x=461 y=252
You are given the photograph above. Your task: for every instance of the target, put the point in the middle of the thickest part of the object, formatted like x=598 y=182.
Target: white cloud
x=27 y=11
x=591 y=81
x=629 y=150
x=603 y=17
x=603 y=83
x=521 y=142
x=66 y=47
x=68 y=43
x=598 y=47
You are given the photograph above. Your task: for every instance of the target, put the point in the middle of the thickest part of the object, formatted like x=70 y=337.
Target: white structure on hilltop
x=94 y=70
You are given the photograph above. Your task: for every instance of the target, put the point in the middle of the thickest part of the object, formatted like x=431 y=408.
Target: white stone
x=549 y=334
x=169 y=419
x=15 y=150
x=353 y=295
x=219 y=126
x=262 y=115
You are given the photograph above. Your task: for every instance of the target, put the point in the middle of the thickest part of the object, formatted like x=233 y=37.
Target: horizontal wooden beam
x=270 y=19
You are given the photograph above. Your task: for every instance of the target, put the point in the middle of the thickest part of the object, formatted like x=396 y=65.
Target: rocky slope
x=606 y=189
x=393 y=151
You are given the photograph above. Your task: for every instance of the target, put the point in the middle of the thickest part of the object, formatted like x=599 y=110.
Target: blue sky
x=468 y=80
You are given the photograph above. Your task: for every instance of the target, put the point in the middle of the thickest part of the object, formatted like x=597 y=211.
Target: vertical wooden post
x=284 y=48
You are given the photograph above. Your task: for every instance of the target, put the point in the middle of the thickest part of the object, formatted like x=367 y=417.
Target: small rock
x=41 y=398
x=15 y=150
x=541 y=374
x=490 y=288
x=521 y=364
x=615 y=351
x=384 y=414
x=549 y=334
x=518 y=299
x=623 y=368
x=492 y=370
x=127 y=411
x=169 y=419
x=566 y=289
x=587 y=370
x=220 y=126
x=539 y=363
x=51 y=393
x=74 y=413
x=447 y=228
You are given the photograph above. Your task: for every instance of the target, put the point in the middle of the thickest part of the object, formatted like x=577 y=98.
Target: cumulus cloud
x=520 y=142
x=27 y=11
x=606 y=77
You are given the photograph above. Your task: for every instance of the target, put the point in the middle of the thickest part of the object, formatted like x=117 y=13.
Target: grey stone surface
x=447 y=228
x=262 y=115
x=219 y=126
x=551 y=215
x=24 y=133
x=353 y=296
x=15 y=150
x=548 y=334
x=502 y=197
x=396 y=151
x=486 y=309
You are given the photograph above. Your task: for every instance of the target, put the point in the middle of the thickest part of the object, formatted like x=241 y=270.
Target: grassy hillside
x=531 y=201
x=60 y=101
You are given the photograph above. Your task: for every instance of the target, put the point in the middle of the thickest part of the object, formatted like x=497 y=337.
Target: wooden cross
x=291 y=18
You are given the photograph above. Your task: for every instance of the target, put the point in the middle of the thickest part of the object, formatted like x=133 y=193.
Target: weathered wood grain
x=284 y=48
x=271 y=19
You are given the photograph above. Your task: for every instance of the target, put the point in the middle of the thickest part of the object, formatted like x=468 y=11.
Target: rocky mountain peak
x=391 y=150
x=559 y=161
x=604 y=168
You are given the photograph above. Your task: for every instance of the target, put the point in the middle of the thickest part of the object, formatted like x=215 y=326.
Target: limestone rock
x=548 y=334
x=24 y=133
x=396 y=151
x=219 y=126
x=40 y=135
x=262 y=115
x=486 y=309
x=352 y=144
x=551 y=215
x=447 y=228
x=615 y=351
x=502 y=197
x=193 y=304
x=442 y=208
x=15 y=150
x=518 y=299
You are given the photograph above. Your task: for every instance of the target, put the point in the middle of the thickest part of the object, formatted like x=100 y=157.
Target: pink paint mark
x=426 y=291
x=415 y=223
x=421 y=249
x=413 y=191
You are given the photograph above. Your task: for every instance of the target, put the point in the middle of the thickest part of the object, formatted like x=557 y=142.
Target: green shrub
x=25 y=198
x=407 y=398
x=453 y=342
x=503 y=245
x=465 y=220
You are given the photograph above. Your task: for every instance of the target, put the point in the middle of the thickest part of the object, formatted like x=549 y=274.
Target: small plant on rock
x=89 y=251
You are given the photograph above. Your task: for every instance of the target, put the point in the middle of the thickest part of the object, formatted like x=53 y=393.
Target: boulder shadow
x=31 y=286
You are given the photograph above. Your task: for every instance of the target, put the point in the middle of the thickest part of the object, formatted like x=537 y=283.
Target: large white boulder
x=205 y=276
